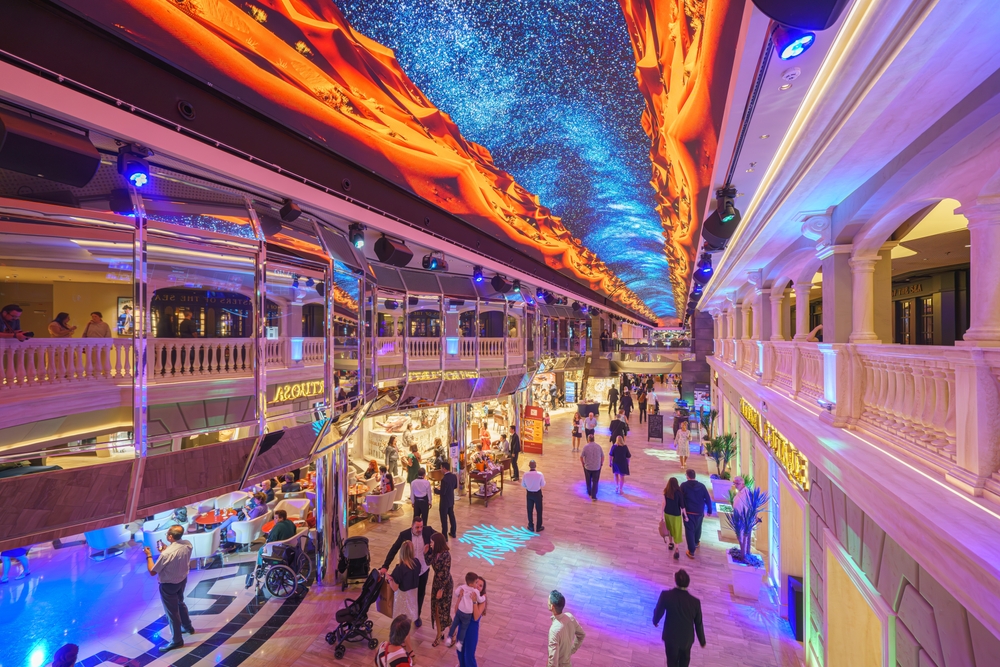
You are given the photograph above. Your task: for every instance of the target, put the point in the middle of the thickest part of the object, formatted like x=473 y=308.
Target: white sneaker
x=449 y=642
x=458 y=646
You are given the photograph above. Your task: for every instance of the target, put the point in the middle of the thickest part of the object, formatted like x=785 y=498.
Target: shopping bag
x=663 y=528
x=384 y=602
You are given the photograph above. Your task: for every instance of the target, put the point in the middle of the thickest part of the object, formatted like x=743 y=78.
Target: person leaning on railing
x=10 y=323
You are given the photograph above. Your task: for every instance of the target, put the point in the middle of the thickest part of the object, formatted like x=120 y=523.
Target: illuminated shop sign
x=752 y=416
x=794 y=462
x=297 y=390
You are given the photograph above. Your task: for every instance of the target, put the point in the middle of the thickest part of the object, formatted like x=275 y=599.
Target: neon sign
x=794 y=462
x=297 y=390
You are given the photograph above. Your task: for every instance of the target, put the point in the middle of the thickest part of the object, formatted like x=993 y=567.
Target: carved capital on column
x=802 y=288
x=777 y=296
x=984 y=213
x=756 y=277
x=818 y=226
x=863 y=264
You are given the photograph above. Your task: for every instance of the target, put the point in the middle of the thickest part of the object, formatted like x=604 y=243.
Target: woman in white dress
x=683 y=442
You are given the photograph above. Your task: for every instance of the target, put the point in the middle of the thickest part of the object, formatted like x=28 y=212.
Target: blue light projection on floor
x=490 y=542
x=606 y=491
x=548 y=86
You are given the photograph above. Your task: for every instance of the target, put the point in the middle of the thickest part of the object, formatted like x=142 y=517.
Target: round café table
x=298 y=521
x=213 y=518
x=355 y=514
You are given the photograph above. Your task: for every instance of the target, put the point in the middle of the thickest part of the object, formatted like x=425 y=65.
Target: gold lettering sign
x=752 y=416
x=297 y=390
x=908 y=289
x=791 y=459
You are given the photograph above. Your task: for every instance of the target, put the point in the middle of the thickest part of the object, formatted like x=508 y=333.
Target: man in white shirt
x=533 y=482
x=172 y=568
x=592 y=458
x=565 y=633
x=590 y=425
x=420 y=496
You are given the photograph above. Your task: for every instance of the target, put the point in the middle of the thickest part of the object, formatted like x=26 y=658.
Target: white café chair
x=200 y=507
x=150 y=535
x=107 y=541
x=311 y=497
x=204 y=545
x=379 y=504
x=247 y=532
x=235 y=500
x=294 y=507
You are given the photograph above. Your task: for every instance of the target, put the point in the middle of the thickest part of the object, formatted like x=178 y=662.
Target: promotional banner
x=532 y=429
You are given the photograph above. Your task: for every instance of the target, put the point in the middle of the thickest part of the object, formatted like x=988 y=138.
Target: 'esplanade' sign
x=794 y=462
x=296 y=390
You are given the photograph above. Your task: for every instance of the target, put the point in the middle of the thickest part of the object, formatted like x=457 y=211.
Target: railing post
x=796 y=370
x=977 y=421
x=836 y=384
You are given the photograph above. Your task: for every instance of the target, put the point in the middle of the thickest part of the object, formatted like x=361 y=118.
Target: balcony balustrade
x=907 y=395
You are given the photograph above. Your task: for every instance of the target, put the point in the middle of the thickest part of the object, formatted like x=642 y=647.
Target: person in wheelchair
x=282 y=530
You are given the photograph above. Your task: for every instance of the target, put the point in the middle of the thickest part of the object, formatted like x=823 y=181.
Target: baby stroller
x=355 y=560
x=353 y=624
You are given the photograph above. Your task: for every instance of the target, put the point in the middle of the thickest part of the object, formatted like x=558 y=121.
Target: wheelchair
x=282 y=570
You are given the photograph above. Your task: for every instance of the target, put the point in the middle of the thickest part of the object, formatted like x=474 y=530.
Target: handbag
x=663 y=528
x=385 y=599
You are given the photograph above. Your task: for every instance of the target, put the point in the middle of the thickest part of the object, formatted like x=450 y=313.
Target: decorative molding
x=818 y=227
x=756 y=277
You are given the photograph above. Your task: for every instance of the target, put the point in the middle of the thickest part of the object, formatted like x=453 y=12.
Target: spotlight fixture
x=576 y=306
x=477 y=274
x=435 y=261
x=310 y=282
x=517 y=286
x=132 y=164
x=500 y=284
x=356 y=234
x=295 y=282
x=704 y=271
x=289 y=211
x=539 y=293
x=721 y=224
x=321 y=290
x=583 y=308
x=550 y=298
x=391 y=304
x=791 y=42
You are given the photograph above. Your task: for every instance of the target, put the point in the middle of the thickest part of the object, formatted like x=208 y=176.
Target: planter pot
x=720 y=489
x=747 y=580
x=726 y=533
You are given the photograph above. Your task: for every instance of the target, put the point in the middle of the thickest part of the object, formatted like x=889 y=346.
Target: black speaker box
x=37 y=148
x=394 y=253
x=805 y=15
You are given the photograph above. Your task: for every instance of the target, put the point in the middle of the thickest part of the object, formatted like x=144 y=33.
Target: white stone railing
x=51 y=361
x=515 y=347
x=423 y=348
x=811 y=370
x=275 y=351
x=784 y=364
x=467 y=348
x=491 y=348
x=908 y=392
x=313 y=351
x=185 y=358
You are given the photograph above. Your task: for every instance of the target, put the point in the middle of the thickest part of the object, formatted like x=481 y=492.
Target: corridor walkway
x=606 y=557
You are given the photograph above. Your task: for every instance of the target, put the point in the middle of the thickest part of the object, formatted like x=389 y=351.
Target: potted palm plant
x=708 y=424
x=746 y=568
x=726 y=533
x=722 y=450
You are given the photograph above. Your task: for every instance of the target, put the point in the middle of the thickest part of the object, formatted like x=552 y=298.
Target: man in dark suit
x=618 y=428
x=515 y=449
x=446 y=506
x=612 y=400
x=420 y=535
x=697 y=501
x=683 y=619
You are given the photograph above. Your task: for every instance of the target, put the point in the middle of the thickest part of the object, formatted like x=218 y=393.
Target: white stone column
x=802 y=291
x=984 y=273
x=777 y=297
x=716 y=325
x=761 y=317
x=863 y=299
x=746 y=313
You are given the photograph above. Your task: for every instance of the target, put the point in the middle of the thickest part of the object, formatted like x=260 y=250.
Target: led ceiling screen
x=549 y=87
x=552 y=141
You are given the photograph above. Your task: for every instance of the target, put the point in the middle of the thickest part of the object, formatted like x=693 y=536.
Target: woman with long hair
x=673 y=507
x=392 y=456
x=60 y=328
x=467 y=654
x=682 y=440
x=619 y=463
x=577 y=432
x=404 y=580
x=442 y=588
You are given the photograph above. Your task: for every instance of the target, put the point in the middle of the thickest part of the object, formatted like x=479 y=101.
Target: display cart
x=483 y=479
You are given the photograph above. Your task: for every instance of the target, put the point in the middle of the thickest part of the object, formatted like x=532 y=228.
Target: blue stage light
x=792 y=42
x=133 y=166
x=477 y=274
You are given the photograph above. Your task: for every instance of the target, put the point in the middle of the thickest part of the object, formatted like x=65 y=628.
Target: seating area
x=207 y=526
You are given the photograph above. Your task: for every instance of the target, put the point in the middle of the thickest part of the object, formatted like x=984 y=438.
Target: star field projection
x=548 y=87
